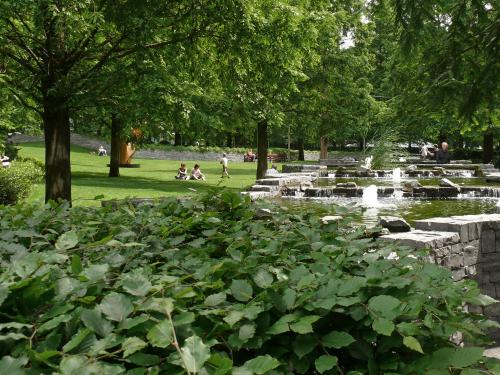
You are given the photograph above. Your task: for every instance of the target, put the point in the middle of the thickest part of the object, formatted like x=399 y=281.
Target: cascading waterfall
x=396 y=175
x=370 y=196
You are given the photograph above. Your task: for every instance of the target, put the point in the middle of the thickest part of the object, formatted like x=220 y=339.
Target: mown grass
x=154 y=178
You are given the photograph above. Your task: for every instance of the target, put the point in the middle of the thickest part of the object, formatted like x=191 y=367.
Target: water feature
x=368 y=162
x=370 y=198
x=396 y=175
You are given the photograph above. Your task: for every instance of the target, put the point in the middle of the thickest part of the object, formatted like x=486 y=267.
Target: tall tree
x=55 y=50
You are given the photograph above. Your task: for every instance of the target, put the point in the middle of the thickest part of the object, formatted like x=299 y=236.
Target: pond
x=410 y=209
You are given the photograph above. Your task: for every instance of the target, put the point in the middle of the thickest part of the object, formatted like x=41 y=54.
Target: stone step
x=268 y=188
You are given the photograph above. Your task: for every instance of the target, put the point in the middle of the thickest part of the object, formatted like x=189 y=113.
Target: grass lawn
x=155 y=178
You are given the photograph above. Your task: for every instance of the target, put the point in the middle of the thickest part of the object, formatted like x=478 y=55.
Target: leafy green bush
x=202 y=287
x=385 y=149
x=16 y=182
x=236 y=150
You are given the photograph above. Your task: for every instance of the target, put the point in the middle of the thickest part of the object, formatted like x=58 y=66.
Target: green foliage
x=385 y=149
x=16 y=182
x=201 y=287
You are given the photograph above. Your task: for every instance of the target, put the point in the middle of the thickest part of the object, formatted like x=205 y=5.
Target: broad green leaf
x=96 y=323
x=161 y=305
x=282 y=325
x=464 y=357
x=116 y=306
x=241 y=290
x=261 y=364
x=337 y=339
x=233 y=317
x=215 y=299
x=350 y=286
x=194 y=354
x=76 y=340
x=76 y=264
x=384 y=306
x=53 y=323
x=95 y=272
x=304 y=344
x=161 y=334
x=4 y=292
x=184 y=318
x=412 y=343
x=222 y=365
x=325 y=363
x=67 y=241
x=72 y=365
x=136 y=284
x=246 y=332
x=263 y=279
x=383 y=326
x=289 y=298
x=304 y=324
x=132 y=345
x=13 y=366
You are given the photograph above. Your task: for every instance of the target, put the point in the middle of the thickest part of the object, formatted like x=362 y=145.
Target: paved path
x=94 y=143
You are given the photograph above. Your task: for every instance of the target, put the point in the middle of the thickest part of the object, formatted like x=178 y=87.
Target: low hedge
x=17 y=181
x=206 y=287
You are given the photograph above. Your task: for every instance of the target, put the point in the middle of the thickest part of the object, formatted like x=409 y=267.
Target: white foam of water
x=368 y=162
x=398 y=194
x=396 y=175
x=370 y=198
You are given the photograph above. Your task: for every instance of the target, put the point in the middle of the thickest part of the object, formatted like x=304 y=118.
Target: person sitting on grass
x=5 y=161
x=182 y=173
x=196 y=173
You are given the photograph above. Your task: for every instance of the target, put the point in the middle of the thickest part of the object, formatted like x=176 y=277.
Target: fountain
x=396 y=175
x=370 y=198
x=368 y=162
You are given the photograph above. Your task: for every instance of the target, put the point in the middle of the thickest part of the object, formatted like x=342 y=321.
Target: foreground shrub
x=201 y=287
x=17 y=181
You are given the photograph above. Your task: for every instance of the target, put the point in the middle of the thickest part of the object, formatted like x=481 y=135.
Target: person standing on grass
x=224 y=161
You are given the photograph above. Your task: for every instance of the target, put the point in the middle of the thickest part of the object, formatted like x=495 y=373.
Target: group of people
x=441 y=154
x=182 y=173
x=196 y=174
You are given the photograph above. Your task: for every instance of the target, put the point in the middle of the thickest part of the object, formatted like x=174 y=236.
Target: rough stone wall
x=468 y=245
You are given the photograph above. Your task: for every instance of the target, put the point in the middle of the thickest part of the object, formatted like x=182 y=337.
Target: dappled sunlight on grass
x=154 y=178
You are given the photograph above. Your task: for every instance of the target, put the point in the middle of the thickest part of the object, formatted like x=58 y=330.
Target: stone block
x=470 y=255
x=419 y=239
x=489 y=290
x=457 y=249
x=492 y=310
x=458 y=274
x=494 y=277
x=442 y=251
x=470 y=271
x=488 y=241
x=453 y=261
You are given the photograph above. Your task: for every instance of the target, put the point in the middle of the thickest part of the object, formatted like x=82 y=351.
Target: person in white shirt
x=5 y=161
x=273 y=171
x=102 y=151
x=224 y=163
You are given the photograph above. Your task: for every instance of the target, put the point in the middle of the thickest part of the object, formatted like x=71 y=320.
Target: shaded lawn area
x=155 y=178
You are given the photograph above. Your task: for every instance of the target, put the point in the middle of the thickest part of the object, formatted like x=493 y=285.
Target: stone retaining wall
x=469 y=245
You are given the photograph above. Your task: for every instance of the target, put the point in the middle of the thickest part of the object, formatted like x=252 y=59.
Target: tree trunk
x=229 y=140
x=323 y=147
x=488 y=149
x=261 y=148
x=114 y=162
x=177 y=139
x=57 y=150
x=301 y=148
